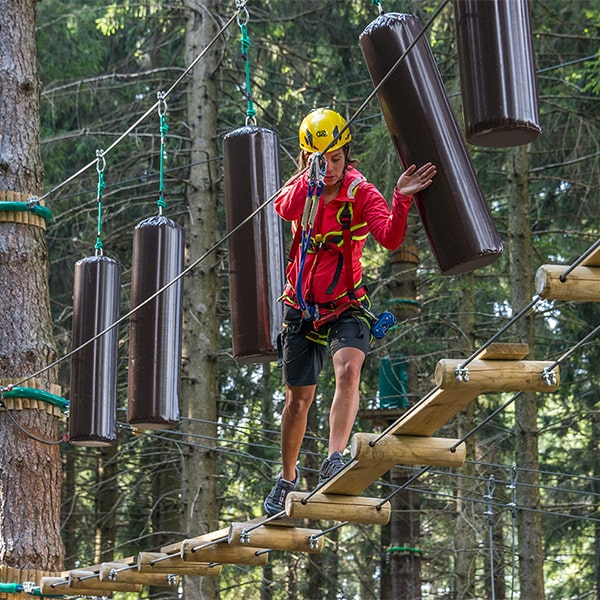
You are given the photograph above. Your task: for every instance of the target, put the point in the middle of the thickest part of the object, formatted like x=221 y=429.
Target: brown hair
x=304 y=155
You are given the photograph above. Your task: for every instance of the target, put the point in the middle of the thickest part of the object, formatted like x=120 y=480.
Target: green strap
x=164 y=128
x=35 y=394
x=245 y=41
x=101 y=188
x=37 y=209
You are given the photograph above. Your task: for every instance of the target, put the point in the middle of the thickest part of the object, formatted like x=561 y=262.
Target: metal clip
x=313 y=542
x=32 y=202
x=549 y=376
x=461 y=373
x=245 y=537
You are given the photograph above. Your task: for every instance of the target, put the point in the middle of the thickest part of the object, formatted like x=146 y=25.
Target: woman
x=324 y=296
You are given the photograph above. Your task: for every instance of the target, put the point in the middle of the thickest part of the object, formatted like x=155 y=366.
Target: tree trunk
x=30 y=470
x=465 y=542
x=106 y=502
x=405 y=555
x=401 y=577
x=199 y=386
x=531 y=556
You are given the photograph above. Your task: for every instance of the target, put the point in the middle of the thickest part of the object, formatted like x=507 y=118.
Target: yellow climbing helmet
x=321 y=127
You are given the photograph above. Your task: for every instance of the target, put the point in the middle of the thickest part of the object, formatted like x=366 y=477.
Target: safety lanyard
x=316 y=184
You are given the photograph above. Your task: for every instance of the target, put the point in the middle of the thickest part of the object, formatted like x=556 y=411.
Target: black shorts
x=304 y=349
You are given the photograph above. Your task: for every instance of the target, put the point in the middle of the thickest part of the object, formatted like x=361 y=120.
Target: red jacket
x=323 y=281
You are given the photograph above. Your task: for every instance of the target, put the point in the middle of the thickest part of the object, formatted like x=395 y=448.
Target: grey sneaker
x=331 y=466
x=275 y=501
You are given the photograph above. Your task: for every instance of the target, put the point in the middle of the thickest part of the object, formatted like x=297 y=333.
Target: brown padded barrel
x=497 y=72
x=256 y=257
x=417 y=113
x=93 y=397
x=155 y=328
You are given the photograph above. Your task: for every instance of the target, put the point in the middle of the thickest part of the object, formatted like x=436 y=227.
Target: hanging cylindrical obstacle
x=93 y=401
x=155 y=329
x=256 y=257
x=497 y=72
x=417 y=113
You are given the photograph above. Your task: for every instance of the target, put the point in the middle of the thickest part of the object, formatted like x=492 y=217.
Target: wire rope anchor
x=241 y=6
x=32 y=202
x=461 y=373
x=491 y=488
x=379 y=6
x=245 y=537
x=29 y=587
x=512 y=486
x=313 y=542
x=549 y=376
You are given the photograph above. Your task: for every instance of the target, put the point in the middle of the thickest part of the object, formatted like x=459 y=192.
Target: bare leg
x=298 y=399
x=347 y=364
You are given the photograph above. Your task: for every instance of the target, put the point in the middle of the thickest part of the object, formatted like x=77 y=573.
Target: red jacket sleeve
x=289 y=204
x=387 y=227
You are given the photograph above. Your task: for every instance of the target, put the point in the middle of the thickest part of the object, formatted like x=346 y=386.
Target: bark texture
x=30 y=470
x=531 y=556
x=199 y=386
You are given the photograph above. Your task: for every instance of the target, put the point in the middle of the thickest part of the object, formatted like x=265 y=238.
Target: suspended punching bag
x=155 y=329
x=417 y=113
x=497 y=72
x=92 y=414
x=256 y=257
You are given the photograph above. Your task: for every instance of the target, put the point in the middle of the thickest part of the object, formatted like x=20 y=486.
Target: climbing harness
x=379 y=323
x=316 y=184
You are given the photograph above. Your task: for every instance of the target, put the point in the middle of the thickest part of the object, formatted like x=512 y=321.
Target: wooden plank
x=191 y=543
x=79 y=578
x=504 y=351
x=409 y=449
x=159 y=562
x=593 y=260
x=356 y=509
x=292 y=539
x=53 y=586
x=582 y=284
x=497 y=375
x=125 y=562
x=222 y=553
x=119 y=573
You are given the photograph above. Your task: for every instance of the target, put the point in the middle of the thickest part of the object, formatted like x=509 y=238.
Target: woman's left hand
x=414 y=180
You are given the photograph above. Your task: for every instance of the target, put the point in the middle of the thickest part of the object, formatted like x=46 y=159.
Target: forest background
x=525 y=505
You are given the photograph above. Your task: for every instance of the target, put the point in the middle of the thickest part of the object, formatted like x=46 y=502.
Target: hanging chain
x=489 y=513
x=245 y=42
x=162 y=113
x=100 y=166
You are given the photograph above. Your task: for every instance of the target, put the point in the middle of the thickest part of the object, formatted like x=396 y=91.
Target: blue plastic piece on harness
x=382 y=323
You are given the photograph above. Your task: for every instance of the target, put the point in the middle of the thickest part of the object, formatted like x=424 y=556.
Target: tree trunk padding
x=25 y=403
x=25 y=217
